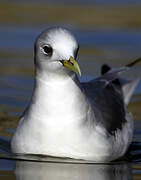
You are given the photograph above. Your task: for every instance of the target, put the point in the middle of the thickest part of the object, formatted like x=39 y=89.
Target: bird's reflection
x=27 y=170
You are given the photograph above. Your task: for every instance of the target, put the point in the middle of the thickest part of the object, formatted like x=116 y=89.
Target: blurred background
x=107 y=31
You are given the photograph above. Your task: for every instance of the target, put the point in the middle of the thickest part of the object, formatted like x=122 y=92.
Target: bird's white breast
x=60 y=122
x=55 y=121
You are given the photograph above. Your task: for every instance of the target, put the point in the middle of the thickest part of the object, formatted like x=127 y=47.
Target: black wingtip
x=105 y=68
x=134 y=62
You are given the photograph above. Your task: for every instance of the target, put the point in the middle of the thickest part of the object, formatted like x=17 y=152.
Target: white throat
x=57 y=100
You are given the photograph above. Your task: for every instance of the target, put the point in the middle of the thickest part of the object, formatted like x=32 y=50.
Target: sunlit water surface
x=106 y=34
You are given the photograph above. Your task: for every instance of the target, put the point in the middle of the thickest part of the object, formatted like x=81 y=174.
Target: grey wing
x=108 y=104
x=109 y=95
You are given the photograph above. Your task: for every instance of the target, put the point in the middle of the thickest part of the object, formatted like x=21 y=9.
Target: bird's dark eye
x=48 y=50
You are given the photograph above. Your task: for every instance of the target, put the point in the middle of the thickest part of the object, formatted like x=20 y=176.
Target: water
x=107 y=33
x=31 y=170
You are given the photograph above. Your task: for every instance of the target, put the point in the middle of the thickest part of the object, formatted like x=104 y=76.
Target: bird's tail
x=127 y=85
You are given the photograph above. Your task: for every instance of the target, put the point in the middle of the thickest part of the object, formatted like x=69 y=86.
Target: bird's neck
x=55 y=97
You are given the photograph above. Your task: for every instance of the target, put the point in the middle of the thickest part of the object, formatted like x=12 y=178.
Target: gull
x=67 y=118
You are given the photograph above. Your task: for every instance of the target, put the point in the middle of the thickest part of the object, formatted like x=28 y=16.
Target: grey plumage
x=106 y=95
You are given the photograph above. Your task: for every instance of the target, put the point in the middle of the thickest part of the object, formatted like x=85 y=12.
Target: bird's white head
x=55 y=51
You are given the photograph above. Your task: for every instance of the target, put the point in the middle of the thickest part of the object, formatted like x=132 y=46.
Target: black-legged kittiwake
x=67 y=118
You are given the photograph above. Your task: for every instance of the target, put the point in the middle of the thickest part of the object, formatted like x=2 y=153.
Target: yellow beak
x=71 y=64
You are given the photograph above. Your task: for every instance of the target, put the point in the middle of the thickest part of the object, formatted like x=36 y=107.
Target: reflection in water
x=26 y=170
